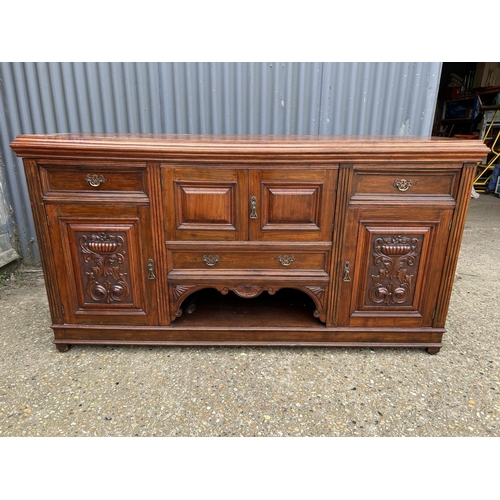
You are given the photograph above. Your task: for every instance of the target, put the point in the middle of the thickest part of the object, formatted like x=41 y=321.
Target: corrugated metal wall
x=206 y=98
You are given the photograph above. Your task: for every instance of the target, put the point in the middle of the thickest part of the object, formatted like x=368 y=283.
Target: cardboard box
x=494 y=79
x=487 y=74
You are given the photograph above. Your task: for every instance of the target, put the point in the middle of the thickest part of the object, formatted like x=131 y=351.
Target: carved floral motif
x=319 y=292
x=392 y=256
x=180 y=290
x=106 y=281
x=248 y=291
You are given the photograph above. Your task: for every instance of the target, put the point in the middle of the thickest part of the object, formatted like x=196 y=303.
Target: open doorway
x=468 y=107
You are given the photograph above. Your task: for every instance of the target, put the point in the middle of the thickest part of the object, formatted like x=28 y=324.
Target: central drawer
x=277 y=259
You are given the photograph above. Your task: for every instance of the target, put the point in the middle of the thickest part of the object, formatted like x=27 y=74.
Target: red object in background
x=452 y=92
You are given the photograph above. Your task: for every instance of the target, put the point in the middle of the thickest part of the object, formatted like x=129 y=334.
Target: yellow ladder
x=484 y=171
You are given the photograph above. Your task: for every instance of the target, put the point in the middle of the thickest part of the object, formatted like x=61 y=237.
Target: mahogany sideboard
x=248 y=240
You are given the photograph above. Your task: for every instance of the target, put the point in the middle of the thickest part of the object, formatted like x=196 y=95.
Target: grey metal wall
x=206 y=98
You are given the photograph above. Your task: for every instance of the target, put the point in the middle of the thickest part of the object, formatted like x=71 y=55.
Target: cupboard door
x=392 y=262
x=205 y=204
x=105 y=264
x=296 y=205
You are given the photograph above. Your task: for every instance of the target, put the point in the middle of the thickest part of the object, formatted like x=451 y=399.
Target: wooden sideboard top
x=312 y=148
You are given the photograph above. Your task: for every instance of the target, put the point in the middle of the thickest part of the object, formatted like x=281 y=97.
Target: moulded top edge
x=244 y=144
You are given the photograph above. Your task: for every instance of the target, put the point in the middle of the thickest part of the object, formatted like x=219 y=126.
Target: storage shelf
x=208 y=308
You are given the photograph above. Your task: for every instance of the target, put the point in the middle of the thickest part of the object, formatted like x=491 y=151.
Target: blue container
x=494 y=178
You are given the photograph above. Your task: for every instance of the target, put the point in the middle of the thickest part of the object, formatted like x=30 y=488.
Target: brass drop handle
x=285 y=260
x=95 y=180
x=210 y=260
x=253 y=207
x=403 y=184
x=347 y=271
x=151 y=269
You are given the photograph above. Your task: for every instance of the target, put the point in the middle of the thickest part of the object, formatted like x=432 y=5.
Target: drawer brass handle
x=210 y=260
x=151 y=269
x=95 y=180
x=285 y=260
x=347 y=271
x=253 y=206
x=403 y=184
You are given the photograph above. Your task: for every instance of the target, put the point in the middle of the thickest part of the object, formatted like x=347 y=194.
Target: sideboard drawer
x=405 y=182
x=95 y=179
x=279 y=260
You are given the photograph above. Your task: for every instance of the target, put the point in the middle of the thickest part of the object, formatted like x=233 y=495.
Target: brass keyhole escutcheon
x=347 y=271
x=151 y=269
x=253 y=207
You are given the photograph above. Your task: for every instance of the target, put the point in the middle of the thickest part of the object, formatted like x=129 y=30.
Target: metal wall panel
x=207 y=98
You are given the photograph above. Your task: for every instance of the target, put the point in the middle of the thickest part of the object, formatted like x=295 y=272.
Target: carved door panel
x=297 y=206
x=205 y=204
x=105 y=264
x=392 y=264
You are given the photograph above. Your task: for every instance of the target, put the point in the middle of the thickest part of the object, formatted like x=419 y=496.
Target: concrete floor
x=140 y=391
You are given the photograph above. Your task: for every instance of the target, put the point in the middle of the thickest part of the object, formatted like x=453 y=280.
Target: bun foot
x=433 y=350
x=62 y=347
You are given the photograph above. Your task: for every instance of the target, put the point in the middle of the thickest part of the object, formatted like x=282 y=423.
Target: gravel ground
x=167 y=391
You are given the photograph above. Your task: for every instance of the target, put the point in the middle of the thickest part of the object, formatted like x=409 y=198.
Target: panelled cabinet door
x=105 y=264
x=296 y=205
x=205 y=204
x=392 y=266
x=223 y=204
